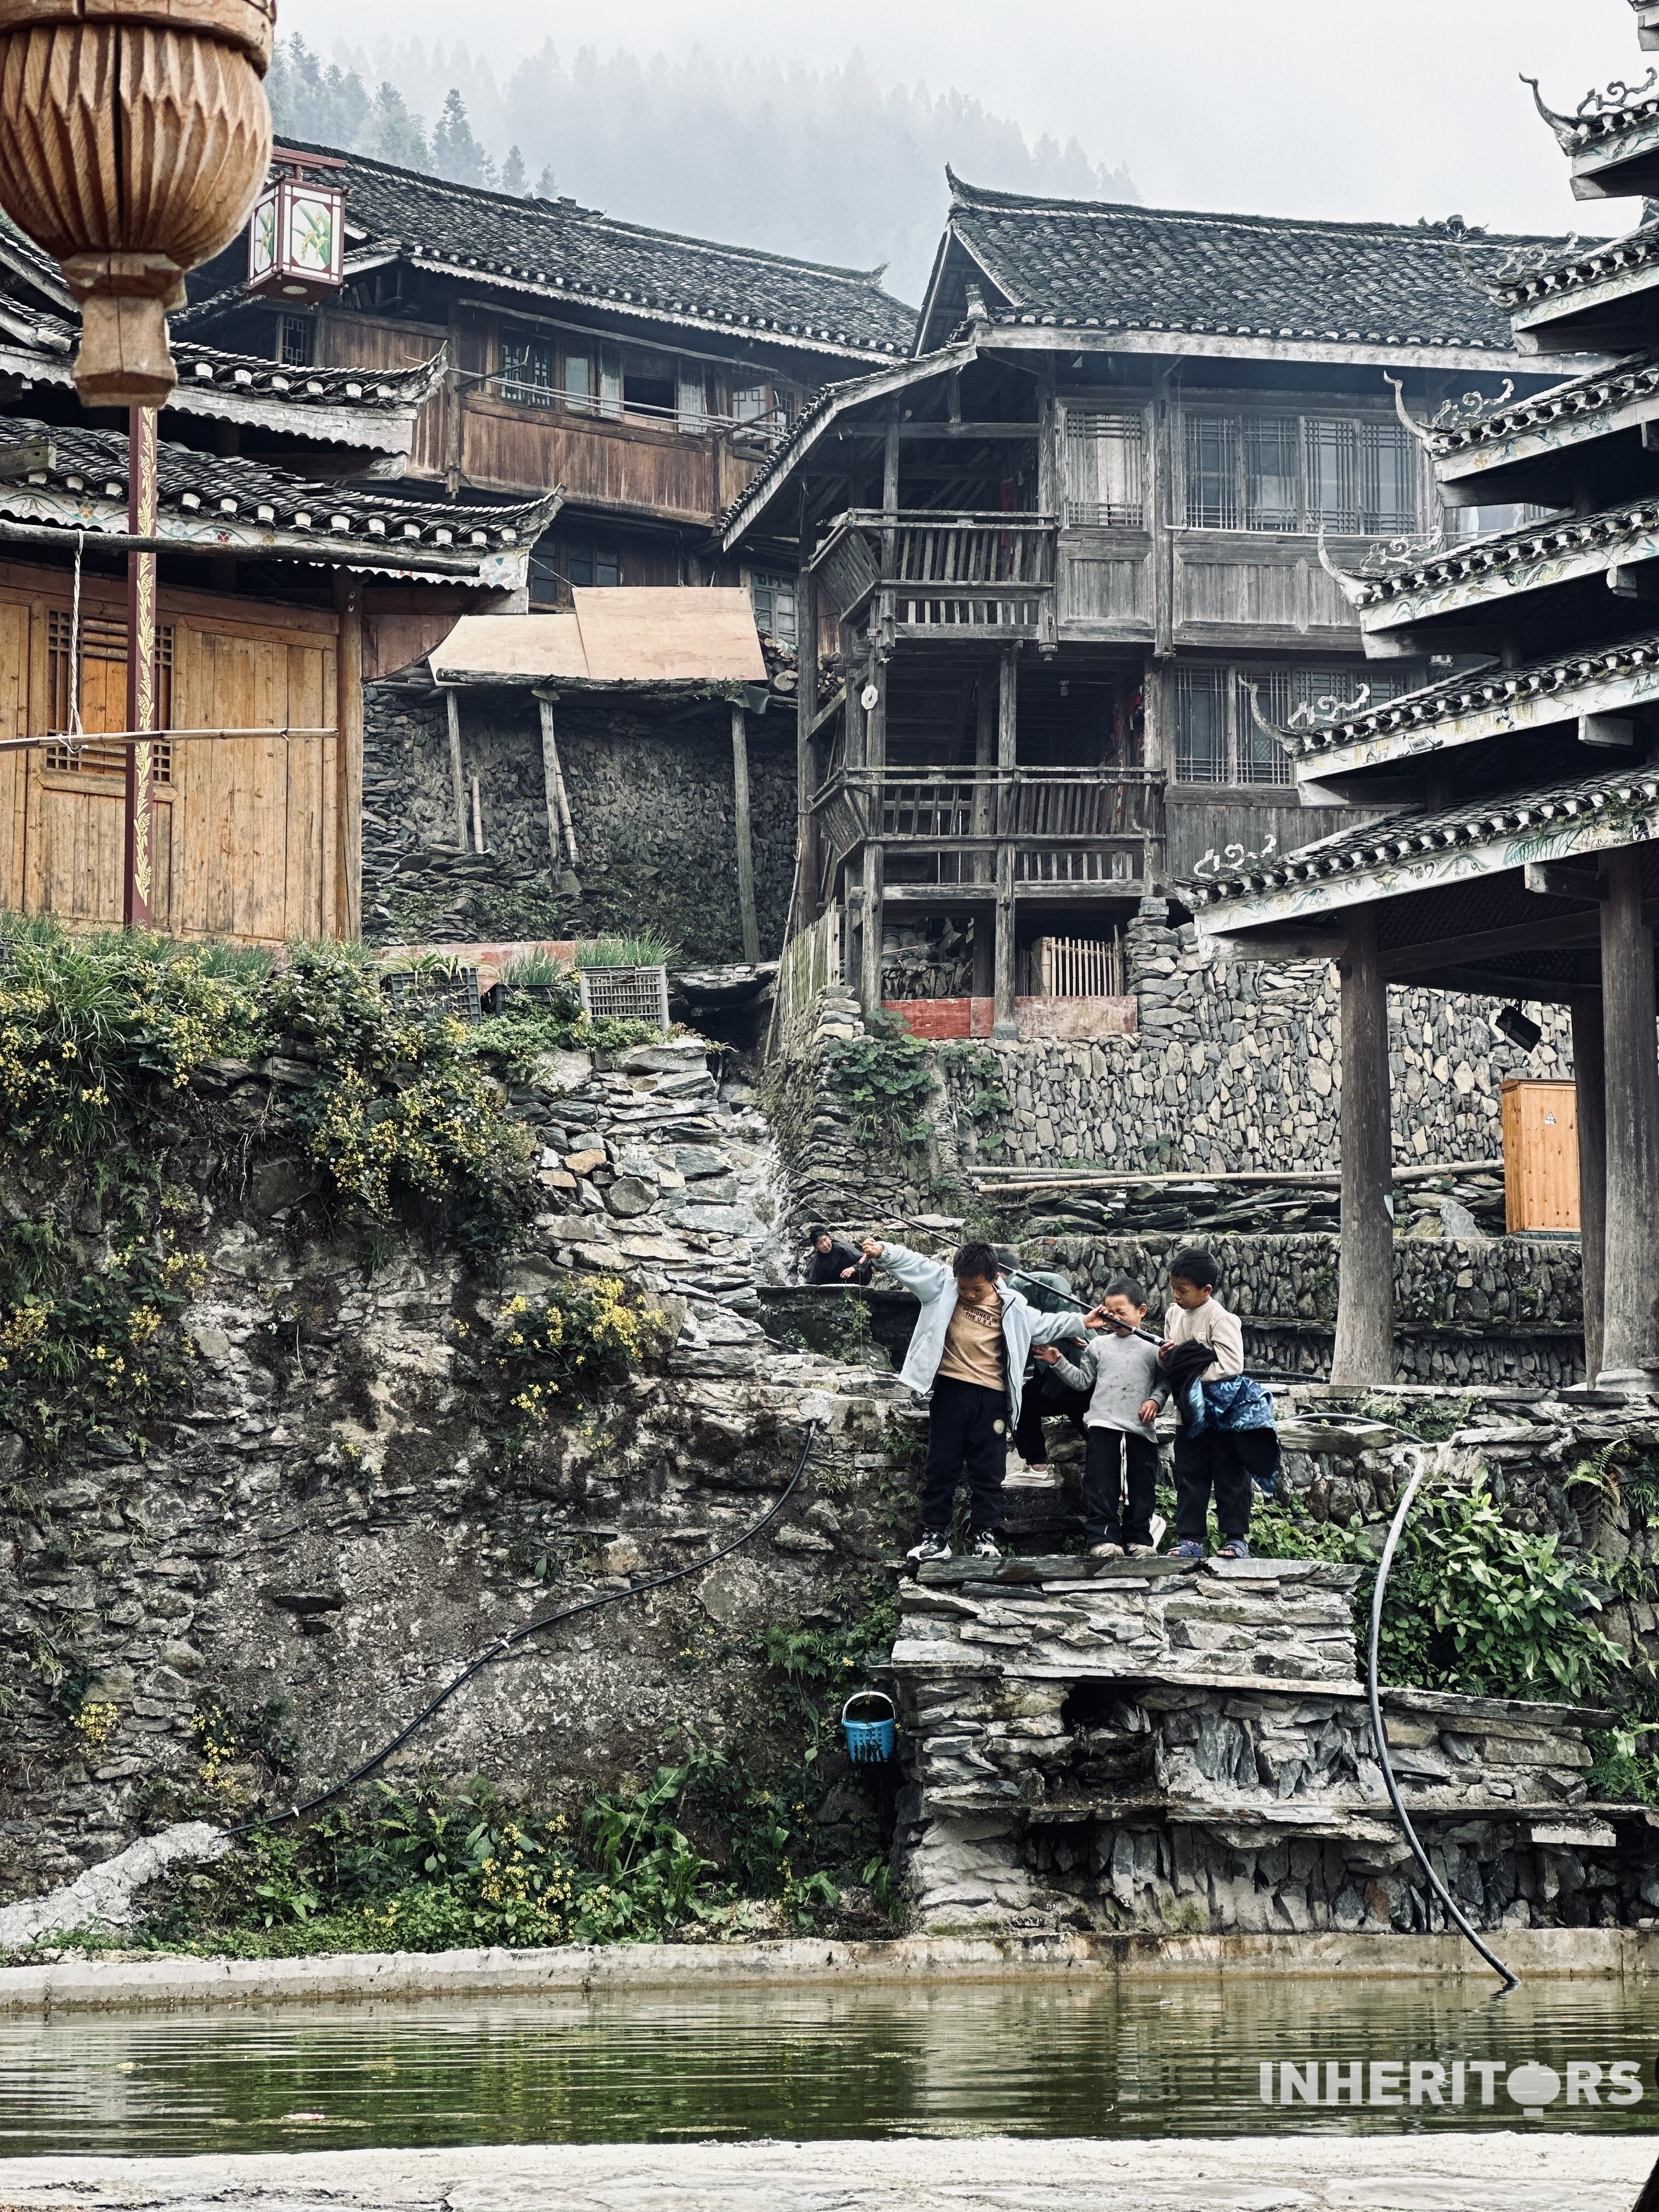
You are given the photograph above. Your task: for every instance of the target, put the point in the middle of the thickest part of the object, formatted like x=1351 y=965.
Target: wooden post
x=138 y=848
x=807 y=862
x=1589 y=1084
x=349 y=755
x=875 y=872
x=452 y=704
x=478 y=817
x=1005 y=1022
x=747 y=922
x=1364 y=1310
x=559 y=824
x=1630 y=1328
x=984 y=820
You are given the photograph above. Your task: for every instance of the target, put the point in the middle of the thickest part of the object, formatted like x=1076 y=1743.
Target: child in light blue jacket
x=970 y=1348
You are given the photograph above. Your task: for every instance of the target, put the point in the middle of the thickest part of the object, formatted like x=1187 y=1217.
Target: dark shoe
x=933 y=1546
x=986 y=1547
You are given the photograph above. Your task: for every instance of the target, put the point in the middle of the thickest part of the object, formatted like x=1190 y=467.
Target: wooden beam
x=1364 y=1351
x=870 y=982
x=1589 y=1084
x=458 y=780
x=985 y=758
x=1559 y=933
x=348 y=719
x=560 y=827
x=808 y=715
x=138 y=854
x=747 y=922
x=1629 y=1341
x=1004 y=1022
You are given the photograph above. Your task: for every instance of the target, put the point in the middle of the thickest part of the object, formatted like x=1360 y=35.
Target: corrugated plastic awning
x=623 y=635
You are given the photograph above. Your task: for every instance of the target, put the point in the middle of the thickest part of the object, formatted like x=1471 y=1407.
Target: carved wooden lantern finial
x=136 y=136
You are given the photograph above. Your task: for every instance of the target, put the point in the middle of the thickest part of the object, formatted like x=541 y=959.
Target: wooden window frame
x=1121 y=430
x=1288 y=695
x=103 y=637
x=1359 y=445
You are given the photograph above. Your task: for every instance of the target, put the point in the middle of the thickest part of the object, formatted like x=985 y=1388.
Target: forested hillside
x=830 y=165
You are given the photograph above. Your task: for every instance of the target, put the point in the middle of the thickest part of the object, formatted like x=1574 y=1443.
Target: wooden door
x=1541 y=1156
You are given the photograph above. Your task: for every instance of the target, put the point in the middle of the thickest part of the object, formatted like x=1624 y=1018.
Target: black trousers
x=1036 y=1405
x=1114 y=1461
x=966 y=1443
x=1223 y=1462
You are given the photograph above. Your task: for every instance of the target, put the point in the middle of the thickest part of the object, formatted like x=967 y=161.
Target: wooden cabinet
x=1541 y=1156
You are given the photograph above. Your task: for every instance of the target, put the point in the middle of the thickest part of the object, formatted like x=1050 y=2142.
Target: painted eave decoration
x=1392 y=858
x=1482 y=436
x=1491 y=703
x=1398 y=587
x=253 y=511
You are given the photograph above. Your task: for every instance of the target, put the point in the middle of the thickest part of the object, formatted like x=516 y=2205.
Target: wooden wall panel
x=1099 y=588
x=14 y=766
x=607 y=464
x=366 y=342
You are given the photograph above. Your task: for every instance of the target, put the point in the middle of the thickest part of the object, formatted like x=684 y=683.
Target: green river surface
x=1136 y=2056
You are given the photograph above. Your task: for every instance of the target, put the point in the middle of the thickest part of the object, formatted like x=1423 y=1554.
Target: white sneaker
x=932 y=1549
x=1160 y=1528
x=1143 y=1551
x=1105 y=1551
x=1023 y=1476
x=984 y=1548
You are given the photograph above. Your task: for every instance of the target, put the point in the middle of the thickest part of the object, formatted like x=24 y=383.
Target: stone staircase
x=1186 y=1747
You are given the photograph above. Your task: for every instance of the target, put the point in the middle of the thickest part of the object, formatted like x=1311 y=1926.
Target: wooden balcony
x=1068 y=827
x=941 y=575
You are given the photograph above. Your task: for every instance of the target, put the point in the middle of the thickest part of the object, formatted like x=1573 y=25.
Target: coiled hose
x=503 y=1644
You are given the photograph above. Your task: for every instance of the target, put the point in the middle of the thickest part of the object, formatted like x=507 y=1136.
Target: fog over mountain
x=827 y=163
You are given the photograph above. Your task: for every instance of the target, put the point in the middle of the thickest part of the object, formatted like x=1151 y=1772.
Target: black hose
x=505 y=1643
x=1395 y=1527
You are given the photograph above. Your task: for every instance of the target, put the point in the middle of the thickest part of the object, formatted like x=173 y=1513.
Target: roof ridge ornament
x=1618 y=96
x=1565 y=129
x=1492 y=288
x=1422 y=435
x=1351 y=588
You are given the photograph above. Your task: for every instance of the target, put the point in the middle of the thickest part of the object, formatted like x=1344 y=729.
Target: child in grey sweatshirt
x=1127 y=1394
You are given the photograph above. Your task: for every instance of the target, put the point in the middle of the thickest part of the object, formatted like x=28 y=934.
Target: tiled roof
x=86 y=487
x=1373 y=584
x=1546 y=271
x=1419 y=711
x=1601 y=392
x=1100 y=265
x=48 y=342
x=1402 y=837
x=557 y=251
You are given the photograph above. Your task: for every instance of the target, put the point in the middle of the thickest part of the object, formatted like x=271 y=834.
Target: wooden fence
x=810 y=964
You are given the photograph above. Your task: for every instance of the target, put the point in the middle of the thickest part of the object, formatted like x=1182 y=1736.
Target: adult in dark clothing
x=830 y=1260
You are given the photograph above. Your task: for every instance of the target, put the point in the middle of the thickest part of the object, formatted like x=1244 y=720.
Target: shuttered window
x=529 y=369
x=774 y=601
x=1105 y=462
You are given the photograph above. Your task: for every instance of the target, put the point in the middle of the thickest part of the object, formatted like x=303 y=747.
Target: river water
x=1140 y=2057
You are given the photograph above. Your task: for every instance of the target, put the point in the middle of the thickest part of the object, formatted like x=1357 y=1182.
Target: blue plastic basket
x=869 y=1739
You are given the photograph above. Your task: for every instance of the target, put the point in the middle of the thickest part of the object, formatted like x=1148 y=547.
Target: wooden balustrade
x=989 y=572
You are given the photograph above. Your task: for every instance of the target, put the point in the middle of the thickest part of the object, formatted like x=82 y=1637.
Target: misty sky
x=1392 y=108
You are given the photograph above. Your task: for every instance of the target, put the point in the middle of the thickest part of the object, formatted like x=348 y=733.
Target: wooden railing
x=941 y=571
x=1035 y=808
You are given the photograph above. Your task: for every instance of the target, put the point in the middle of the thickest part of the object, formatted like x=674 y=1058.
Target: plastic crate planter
x=625 y=994
x=870 y=1736
x=455 y=990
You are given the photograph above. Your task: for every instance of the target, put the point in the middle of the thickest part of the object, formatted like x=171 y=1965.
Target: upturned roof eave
x=1492 y=704
x=1403 y=854
x=1555 y=421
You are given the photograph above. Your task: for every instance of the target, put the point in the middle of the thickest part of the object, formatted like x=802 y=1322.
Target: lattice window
x=1105 y=464
x=773 y=599
x=103 y=694
x=1202 y=736
x=1270 y=488
x=1212 y=473
x=529 y=369
x=296 y=341
x=1362 y=478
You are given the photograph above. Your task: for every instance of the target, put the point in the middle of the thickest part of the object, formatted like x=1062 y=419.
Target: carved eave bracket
x=1353 y=588
x=1565 y=127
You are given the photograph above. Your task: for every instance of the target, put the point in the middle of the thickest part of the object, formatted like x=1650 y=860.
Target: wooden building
x=649 y=374
x=278 y=596
x=1520 y=856
x=1069 y=558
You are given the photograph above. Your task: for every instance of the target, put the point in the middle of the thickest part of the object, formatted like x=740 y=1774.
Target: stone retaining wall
x=652 y=802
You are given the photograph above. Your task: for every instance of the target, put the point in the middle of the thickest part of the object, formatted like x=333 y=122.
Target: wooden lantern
x=296 y=240
x=136 y=137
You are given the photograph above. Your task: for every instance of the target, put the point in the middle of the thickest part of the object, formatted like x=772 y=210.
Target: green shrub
x=886 y=1079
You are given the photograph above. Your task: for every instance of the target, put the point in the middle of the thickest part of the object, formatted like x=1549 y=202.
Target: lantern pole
x=138 y=863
